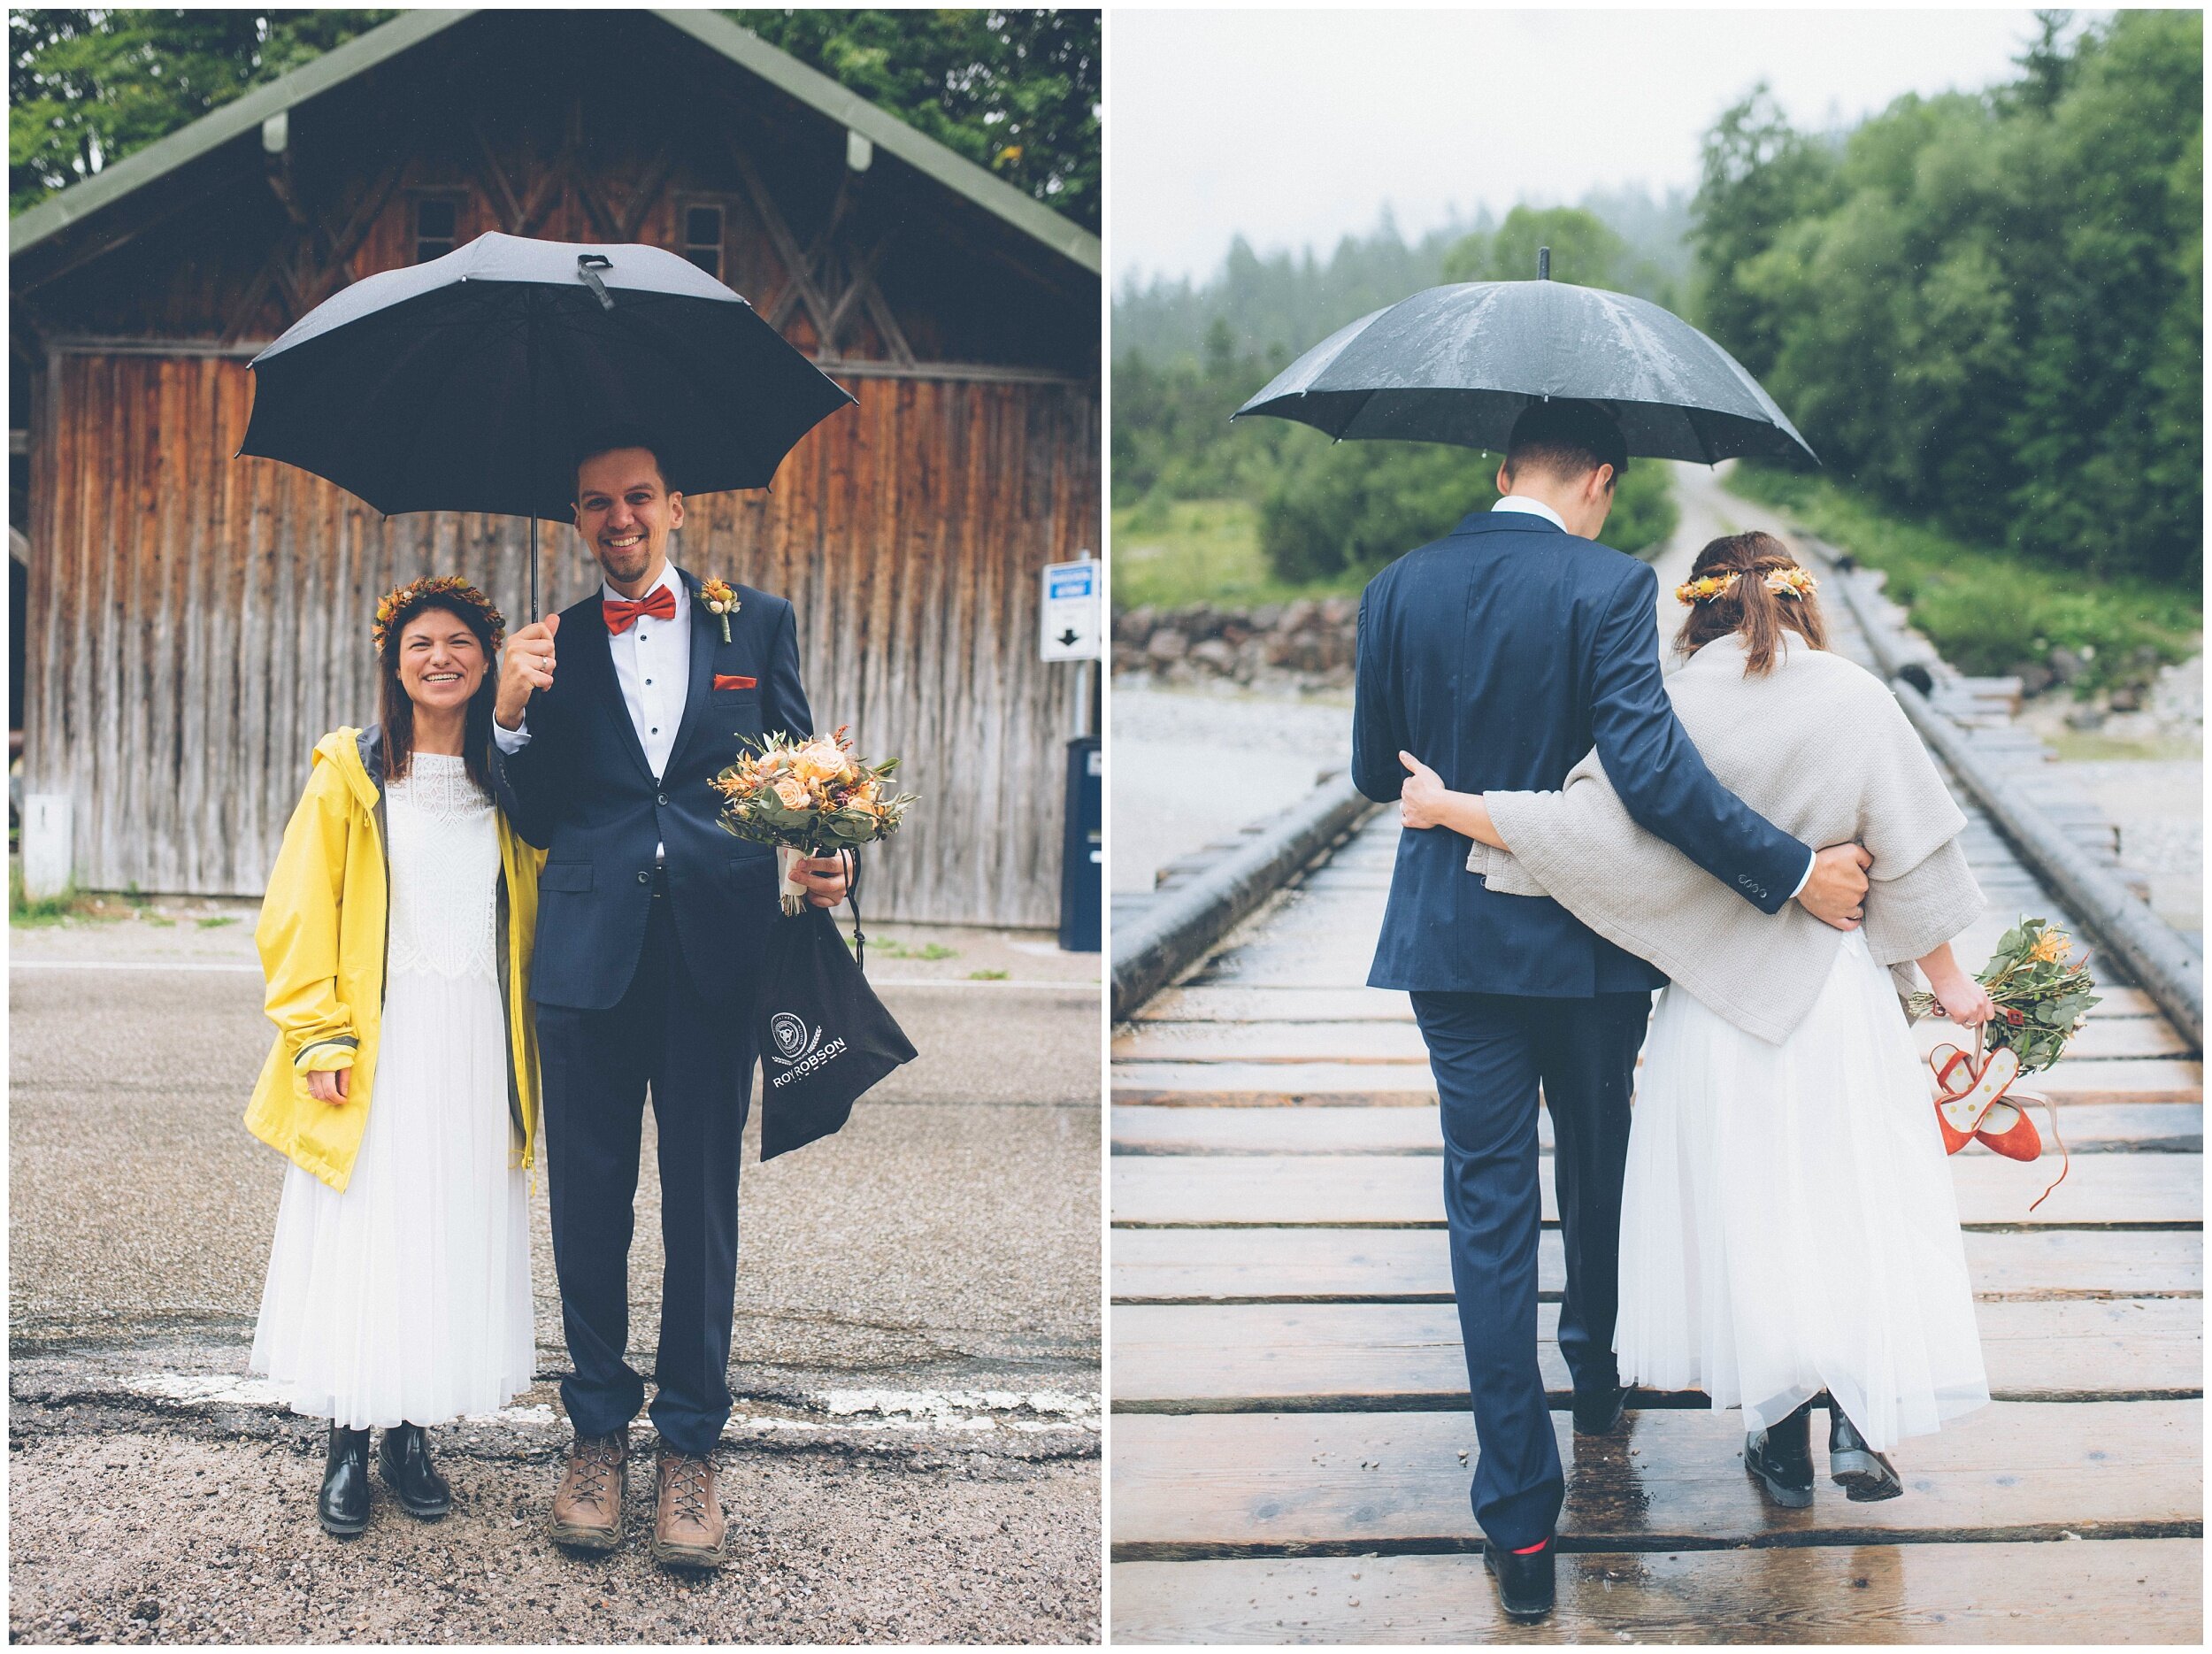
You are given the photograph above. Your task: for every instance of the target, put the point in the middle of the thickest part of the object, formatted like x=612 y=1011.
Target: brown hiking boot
x=688 y=1528
x=587 y=1510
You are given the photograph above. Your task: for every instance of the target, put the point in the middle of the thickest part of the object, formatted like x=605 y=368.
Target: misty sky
x=1294 y=127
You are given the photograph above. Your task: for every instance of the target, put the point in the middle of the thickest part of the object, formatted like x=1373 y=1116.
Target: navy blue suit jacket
x=1498 y=657
x=582 y=789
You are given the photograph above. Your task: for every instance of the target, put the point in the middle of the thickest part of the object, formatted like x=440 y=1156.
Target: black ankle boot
x=342 y=1507
x=1863 y=1474
x=1782 y=1457
x=403 y=1455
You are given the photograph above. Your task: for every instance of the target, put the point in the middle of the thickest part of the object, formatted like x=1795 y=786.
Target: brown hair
x=395 y=708
x=1747 y=606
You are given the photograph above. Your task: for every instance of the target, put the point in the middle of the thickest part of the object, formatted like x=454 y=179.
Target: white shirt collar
x=669 y=578
x=1534 y=508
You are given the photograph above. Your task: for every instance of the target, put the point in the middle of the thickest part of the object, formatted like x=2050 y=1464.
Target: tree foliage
x=1585 y=249
x=85 y=88
x=1987 y=309
x=1338 y=512
x=1014 y=91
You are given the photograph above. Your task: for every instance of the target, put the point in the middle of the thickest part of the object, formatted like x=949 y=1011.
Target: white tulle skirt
x=1789 y=1224
x=406 y=1298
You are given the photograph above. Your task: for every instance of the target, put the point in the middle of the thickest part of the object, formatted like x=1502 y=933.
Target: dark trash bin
x=1082 y=859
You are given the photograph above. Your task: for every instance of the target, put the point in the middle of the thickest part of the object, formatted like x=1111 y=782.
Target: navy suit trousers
x=1490 y=1054
x=696 y=1060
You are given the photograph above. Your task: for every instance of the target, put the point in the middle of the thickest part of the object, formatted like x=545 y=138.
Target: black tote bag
x=825 y=1037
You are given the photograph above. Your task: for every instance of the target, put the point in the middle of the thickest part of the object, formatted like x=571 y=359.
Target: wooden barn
x=193 y=621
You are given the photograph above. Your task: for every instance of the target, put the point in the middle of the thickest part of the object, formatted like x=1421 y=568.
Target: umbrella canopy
x=467 y=384
x=1458 y=364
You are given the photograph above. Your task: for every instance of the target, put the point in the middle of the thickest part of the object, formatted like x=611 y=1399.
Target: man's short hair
x=605 y=440
x=1568 y=439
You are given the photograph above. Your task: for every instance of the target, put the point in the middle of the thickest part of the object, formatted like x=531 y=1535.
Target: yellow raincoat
x=322 y=934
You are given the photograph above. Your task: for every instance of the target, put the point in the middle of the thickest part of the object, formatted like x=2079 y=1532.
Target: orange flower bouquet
x=809 y=796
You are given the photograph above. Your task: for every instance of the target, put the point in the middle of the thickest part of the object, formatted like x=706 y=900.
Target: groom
x=650 y=919
x=1500 y=655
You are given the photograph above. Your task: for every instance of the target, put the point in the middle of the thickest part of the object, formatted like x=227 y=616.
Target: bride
x=1788 y=1226
x=395 y=939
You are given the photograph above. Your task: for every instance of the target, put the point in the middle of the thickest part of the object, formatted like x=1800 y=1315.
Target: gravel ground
x=1189 y=767
x=130 y=1530
x=914 y=1452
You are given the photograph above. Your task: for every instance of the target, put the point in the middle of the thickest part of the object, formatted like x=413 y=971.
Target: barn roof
x=243 y=115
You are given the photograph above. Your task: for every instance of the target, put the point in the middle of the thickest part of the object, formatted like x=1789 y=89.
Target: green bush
x=1991 y=611
x=1345 y=509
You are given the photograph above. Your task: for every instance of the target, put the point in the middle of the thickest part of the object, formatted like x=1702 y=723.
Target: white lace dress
x=406 y=1298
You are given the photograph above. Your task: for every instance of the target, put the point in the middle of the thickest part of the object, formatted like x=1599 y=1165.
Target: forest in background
x=1983 y=311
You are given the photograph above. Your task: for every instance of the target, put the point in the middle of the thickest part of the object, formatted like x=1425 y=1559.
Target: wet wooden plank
x=1402 y=1189
x=1402 y=1085
x=2107 y=1591
x=1372 y=1039
x=1315 y=1129
x=1299 y=1355
x=1361 y=1004
x=1192 y=1485
x=1196 y=1266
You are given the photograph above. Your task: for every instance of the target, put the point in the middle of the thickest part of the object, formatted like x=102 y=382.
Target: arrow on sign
x=1068 y=637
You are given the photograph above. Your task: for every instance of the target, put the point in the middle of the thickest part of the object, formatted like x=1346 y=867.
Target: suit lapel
x=601 y=652
x=706 y=632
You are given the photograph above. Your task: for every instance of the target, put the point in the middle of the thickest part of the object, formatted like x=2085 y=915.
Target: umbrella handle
x=587 y=266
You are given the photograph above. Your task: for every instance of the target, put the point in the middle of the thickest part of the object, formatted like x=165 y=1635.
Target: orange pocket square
x=724 y=682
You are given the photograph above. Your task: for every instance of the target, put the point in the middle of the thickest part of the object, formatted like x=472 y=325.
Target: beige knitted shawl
x=1821 y=749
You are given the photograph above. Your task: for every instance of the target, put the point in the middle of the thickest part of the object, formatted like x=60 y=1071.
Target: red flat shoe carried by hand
x=1965 y=1098
x=2009 y=1132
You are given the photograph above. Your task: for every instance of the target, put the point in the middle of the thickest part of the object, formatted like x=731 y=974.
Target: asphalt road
x=914 y=1452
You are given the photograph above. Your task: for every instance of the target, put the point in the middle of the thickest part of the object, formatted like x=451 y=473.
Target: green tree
x=1014 y=91
x=86 y=89
x=1585 y=251
x=1756 y=173
x=1017 y=92
x=1987 y=310
x=1349 y=508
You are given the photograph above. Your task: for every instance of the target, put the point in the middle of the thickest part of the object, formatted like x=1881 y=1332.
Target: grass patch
x=987 y=976
x=53 y=909
x=1173 y=554
x=1990 y=612
x=892 y=948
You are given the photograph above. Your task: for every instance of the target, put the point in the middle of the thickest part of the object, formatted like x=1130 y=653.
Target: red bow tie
x=660 y=603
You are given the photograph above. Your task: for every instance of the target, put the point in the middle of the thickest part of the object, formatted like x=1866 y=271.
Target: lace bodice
x=445 y=871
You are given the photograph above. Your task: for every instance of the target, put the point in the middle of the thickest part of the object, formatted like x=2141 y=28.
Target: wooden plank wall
x=197 y=621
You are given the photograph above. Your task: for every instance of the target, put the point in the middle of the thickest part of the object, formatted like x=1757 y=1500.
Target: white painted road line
x=849 y=1410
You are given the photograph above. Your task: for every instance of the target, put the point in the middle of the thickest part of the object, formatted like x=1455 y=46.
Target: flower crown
x=405 y=600
x=1783 y=582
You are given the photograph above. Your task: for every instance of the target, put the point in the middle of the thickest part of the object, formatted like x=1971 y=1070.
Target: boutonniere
x=720 y=600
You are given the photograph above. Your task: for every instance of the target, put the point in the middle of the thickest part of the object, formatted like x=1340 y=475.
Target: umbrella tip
x=1543 y=264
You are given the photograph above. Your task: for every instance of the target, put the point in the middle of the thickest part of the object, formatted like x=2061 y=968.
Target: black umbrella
x=1458 y=364
x=467 y=384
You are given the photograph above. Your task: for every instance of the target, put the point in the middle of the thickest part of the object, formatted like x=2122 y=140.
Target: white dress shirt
x=1537 y=508
x=1534 y=508
x=652 y=663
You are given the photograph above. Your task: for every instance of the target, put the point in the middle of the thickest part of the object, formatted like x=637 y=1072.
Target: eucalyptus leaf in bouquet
x=2042 y=997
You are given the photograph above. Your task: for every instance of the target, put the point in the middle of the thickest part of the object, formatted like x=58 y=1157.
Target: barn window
x=437 y=225
x=702 y=239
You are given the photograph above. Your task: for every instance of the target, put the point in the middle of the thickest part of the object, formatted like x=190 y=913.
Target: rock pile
x=1305 y=645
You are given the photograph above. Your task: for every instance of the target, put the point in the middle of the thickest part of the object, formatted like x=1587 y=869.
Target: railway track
x=1290 y=1444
